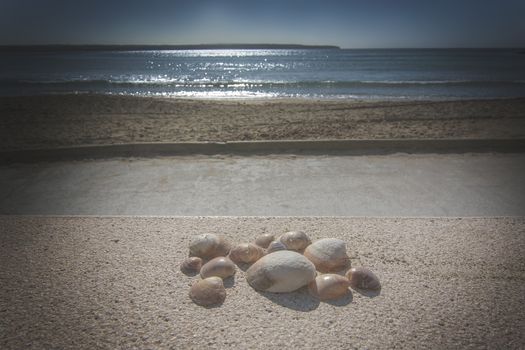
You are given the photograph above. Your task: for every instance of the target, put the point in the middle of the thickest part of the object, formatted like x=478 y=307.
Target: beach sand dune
x=69 y=120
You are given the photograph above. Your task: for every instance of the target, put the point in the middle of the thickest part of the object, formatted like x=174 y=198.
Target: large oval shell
x=281 y=272
x=220 y=267
x=191 y=265
x=295 y=240
x=275 y=246
x=328 y=254
x=207 y=292
x=329 y=286
x=363 y=278
x=264 y=240
x=246 y=253
x=209 y=246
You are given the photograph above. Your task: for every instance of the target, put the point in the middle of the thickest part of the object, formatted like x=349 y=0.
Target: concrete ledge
x=344 y=147
x=114 y=283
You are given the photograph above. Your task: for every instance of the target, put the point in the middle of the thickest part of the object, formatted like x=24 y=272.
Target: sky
x=345 y=23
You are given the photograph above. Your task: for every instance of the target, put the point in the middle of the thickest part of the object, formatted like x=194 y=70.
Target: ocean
x=268 y=73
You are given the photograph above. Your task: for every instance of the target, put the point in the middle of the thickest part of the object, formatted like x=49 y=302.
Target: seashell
x=363 y=278
x=209 y=246
x=295 y=240
x=246 y=253
x=220 y=267
x=328 y=254
x=275 y=246
x=329 y=286
x=264 y=241
x=191 y=265
x=281 y=272
x=207 y=292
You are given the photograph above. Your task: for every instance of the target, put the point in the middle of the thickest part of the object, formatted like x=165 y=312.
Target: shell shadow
x=343 y=270
x=299 y=300
x=189 y=273
x=243 y=266
x=229 y=282
x=345 y=300
x=368 y=293
x=214 y=306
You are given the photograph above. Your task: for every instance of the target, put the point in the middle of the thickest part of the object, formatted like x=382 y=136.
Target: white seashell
x=209 y=246
x=191 y=265
x=264 y=241
x=246 y=253
x=281 y=272
x=207 y=292
x=363 y=278
x=295 y=240
x=220 y=267
x=328 y=254
x=329 y=286
x=275 y=246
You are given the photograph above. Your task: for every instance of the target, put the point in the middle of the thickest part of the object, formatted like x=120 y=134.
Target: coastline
x=149 y=47
x=48 y=121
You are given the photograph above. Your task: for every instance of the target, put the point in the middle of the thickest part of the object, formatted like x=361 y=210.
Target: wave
x=248 y=84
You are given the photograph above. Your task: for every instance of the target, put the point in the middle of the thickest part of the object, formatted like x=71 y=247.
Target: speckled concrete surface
x=114 y=283
x=481 y=184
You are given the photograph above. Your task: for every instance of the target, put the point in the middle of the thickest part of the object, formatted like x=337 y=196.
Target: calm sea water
x=329 y=74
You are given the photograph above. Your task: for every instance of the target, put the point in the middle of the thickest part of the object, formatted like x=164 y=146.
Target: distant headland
x=65 y=47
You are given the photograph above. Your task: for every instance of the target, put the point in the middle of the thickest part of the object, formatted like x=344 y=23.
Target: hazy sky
x=347 y=23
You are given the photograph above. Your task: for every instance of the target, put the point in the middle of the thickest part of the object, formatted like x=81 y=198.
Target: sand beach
x=113 y=281
x=70 y=120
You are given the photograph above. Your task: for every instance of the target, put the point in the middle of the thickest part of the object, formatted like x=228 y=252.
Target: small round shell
x=246 y=253
x=329 y=287
x=295 y=240
x=328 y=254
x=275 y=246
x=191 y=265
x=220 y=267
x=363 y=278
x=264 y=241
x=209 y=246
x=207 y=292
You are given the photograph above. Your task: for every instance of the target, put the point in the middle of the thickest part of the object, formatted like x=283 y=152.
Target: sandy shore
x=66 y=120
x=114 y=283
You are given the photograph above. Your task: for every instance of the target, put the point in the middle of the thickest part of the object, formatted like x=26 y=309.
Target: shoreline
x=68 y=120
x=349 y=99
x=302 y=98
x=306 y=99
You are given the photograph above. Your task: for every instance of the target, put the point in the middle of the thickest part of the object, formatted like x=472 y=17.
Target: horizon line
x=96 y=47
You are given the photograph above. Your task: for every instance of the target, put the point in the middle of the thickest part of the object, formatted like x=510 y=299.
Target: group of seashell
x=277 y=265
